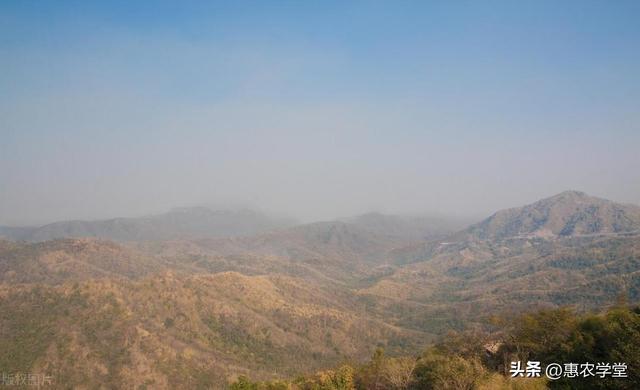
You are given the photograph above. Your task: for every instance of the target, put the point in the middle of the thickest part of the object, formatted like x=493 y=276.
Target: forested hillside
x=200 y=312
x=481 y=359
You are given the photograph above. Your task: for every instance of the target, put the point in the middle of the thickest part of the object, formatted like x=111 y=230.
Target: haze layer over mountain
x=314 y=110
x=177 y=223
x=202 y=310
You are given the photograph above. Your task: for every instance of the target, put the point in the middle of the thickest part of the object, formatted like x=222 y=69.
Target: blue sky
x=316 y=109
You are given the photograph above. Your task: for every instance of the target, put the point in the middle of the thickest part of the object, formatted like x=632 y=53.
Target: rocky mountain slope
x=569 y=249
x=569 y=213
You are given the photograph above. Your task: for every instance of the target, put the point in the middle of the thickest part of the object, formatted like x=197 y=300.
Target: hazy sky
x=314 y=109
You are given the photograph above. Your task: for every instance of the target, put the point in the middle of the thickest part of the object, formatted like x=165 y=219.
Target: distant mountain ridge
x=182 y=312
x=409 y=227
x=318 y=240
x=569 y=213
x=568 y=249
x=187 y=222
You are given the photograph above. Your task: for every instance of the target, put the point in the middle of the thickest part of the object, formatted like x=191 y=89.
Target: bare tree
x=398 y=372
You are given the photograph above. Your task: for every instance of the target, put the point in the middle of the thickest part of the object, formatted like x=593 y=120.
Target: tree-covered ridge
x=182 y=332
x=481 y=359
x=198 y=313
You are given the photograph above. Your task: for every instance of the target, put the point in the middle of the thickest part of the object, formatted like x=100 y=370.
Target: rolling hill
x=190 y=312
x=186 y=222
x=187 y=331
x=59 y=261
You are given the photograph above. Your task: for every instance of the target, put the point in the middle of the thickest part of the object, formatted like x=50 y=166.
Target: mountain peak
x=568 y=213
x=571 y=194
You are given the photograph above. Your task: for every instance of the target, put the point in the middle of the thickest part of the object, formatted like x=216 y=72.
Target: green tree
x=543 y=335
x=243 y=383
x=370 y=375
x=435 y=370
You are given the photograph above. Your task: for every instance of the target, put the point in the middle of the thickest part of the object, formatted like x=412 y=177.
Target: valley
x=189 y=312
